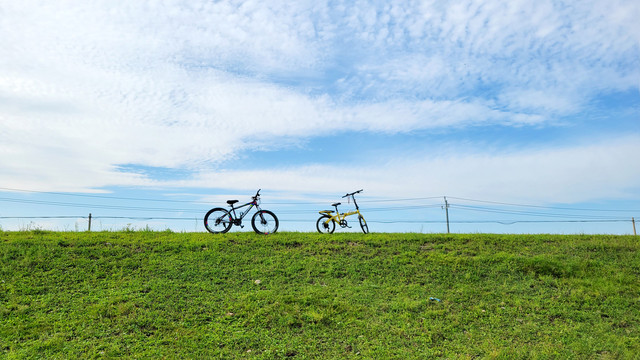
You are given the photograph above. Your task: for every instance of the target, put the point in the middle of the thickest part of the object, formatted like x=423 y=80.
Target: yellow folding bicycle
x=326 y=224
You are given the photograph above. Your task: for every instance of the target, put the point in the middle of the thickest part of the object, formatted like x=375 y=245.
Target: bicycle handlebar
x=353 y=193
x=257 y=195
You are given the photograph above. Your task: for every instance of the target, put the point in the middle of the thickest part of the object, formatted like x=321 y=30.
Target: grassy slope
x=150 y=295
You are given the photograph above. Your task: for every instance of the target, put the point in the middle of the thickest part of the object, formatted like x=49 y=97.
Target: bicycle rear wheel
x=363 y=224
x=217 y=221
x=264 y=222
x=325 y=227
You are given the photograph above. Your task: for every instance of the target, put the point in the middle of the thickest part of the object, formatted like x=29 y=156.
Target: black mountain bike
x=219 y=220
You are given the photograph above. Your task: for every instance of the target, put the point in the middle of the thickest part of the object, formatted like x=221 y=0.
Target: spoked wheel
x=264 y=222
x=363 y=224
x=325 y=227
x=217 y=221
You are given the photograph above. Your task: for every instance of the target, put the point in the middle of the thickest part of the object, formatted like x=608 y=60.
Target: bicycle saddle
x=336 y=204
x=231 y=202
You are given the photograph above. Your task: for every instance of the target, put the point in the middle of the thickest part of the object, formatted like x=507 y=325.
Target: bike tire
x=327 y=228
x=363 y=224
x=217 y=221
x=264 y=222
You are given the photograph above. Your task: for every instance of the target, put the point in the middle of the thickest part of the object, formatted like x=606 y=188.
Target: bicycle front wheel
x=325 y=227
x=217 y=221
x=363 y=224
x=264 y=222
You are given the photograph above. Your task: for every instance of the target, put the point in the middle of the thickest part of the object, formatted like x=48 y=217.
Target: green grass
x=299 y=295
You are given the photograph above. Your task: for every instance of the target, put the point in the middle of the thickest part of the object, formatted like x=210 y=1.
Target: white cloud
x=491 y=49
x=577 y=173
x=85 y=87
x=540 y=101
x=152 y=126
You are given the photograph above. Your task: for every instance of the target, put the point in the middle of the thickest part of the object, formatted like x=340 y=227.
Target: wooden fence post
x=446 y=208
x=89 y=221
x=633 y=221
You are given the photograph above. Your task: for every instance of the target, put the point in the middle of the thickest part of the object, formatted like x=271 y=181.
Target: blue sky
x=155 y=111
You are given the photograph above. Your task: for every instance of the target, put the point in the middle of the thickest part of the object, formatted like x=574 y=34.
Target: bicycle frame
x=338 y=218
x=237 y=219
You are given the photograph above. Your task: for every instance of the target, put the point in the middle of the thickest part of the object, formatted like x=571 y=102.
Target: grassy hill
x=304 y=296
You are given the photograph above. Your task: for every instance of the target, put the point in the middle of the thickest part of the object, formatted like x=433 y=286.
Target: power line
x=203 y=202
x=95 y=206
x=394 y=208
x=302 y=203
x=519 y=212
x=501 y=208
x=505 y=222
x=104 y=196
x=44 y=217
x=406 y=199
x=542 y=207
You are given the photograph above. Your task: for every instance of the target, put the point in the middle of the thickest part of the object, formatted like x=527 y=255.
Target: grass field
x=170 y=295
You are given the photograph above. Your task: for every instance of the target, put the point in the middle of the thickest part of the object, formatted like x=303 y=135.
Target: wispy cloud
x=537 y=176
x=87 y=87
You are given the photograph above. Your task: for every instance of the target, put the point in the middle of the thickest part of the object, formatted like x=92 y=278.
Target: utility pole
x=446 y=208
